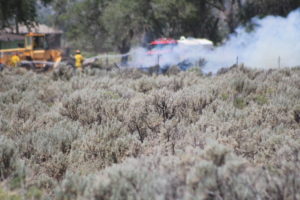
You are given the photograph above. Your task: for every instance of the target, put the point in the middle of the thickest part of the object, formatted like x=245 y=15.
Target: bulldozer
x=35 y=54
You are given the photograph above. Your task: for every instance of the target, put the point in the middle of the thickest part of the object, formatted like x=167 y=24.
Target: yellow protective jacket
x=79 y=60
x=15 y=60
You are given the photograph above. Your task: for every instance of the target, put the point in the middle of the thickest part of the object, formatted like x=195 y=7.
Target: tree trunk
x=17 y=25
x=123 y=49
x=125 y=46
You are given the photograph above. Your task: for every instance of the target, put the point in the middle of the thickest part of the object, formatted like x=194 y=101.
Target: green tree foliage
x=18 y=12
x=262 y=8
x=116 y=25
x=82 y=22
x=125 y=19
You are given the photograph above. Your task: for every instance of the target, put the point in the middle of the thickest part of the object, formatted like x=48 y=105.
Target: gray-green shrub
x=149 y=137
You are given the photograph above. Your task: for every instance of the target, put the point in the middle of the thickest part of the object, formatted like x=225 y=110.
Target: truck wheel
x=48 y=66
x=26 y=66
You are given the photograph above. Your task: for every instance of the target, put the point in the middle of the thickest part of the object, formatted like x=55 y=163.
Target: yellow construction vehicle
x=36 y=53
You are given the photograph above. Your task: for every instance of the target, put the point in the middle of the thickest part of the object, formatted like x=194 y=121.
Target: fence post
x=106 y=60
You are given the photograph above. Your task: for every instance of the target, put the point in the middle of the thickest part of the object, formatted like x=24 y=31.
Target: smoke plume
x=273 y=43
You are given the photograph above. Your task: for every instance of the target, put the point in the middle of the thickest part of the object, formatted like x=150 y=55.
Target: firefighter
x=79 y=60
x=15 y=60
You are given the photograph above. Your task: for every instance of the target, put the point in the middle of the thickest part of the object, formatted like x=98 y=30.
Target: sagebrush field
x=125 y=134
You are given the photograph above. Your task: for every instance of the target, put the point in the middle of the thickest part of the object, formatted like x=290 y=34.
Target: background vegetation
x=116 y=25
x=124 y=134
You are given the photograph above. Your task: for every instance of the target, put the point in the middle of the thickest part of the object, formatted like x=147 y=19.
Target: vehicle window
x=28 y=42
x=162 y=46
x=38 y=43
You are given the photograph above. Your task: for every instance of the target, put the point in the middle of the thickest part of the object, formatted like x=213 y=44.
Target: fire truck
x=161 y=46
x=183 y=52
x=161 y=53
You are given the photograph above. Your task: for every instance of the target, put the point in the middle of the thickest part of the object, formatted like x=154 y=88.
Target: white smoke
x=274 y=43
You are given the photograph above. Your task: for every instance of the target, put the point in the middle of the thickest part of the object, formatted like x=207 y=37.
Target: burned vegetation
x=123 y=134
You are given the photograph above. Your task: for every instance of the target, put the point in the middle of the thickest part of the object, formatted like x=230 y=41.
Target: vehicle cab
x=35 y=46
x=37 y=50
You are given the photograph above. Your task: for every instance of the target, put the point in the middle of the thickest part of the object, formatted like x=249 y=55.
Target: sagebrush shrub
x=63 y=72
x=92 y=106
x=123 y=134
x=108 y=143
x=42 y=145
x=8 y=157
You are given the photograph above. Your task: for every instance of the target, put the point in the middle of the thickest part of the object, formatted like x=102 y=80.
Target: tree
x=263 y=8
x=126 y=21
x=82 y=23
x=6 y=12
x=228 y=11
x=129 y=20
x=117 y=25
x=18 y=12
